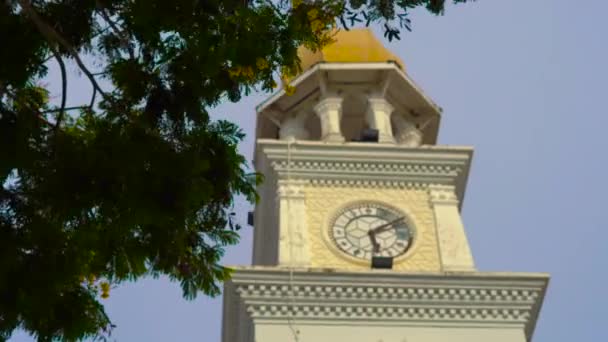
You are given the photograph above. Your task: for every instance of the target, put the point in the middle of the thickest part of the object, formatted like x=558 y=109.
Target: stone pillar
x=379 y=117
x=293 y=228
x=406 y=132
x=329 y=111
x=293 y=127
x=453 y=245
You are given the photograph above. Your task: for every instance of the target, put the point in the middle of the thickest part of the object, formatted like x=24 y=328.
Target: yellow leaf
x=317 y=26
x=105 y=286
x=261 y=63
x=286 y=72
x=290 y=90
x=250 y=73
x=313 y=14
x=234 y=72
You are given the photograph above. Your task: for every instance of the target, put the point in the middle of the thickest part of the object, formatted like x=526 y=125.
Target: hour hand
x=372 y=237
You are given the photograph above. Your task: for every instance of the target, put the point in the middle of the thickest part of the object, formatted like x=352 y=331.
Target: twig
x=65 y=109
x=52 y=36
x=119 y=33
x=43 y=119
x=274 y=7
x=64 y=87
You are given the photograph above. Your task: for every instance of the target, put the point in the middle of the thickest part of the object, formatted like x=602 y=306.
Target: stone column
x=379 y=117
x=329 y=111
x=406 y=132
x=293 y=127
x=293 y=227
x=453 y=245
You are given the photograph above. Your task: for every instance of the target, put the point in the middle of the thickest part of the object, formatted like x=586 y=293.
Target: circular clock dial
x=351 y=231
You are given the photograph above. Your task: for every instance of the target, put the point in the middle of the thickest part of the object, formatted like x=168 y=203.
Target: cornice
x=367 y=164
x=359 y=67
x=381 y=297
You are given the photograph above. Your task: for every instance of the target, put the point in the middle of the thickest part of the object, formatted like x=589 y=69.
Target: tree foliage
x=138 y=180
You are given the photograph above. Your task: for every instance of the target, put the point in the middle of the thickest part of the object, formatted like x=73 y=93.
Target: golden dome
x=353 y=46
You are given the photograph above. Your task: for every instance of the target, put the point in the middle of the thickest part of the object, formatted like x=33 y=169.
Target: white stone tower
x=353 y=174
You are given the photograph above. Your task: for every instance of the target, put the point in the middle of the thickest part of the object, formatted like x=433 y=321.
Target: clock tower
x=358 y=234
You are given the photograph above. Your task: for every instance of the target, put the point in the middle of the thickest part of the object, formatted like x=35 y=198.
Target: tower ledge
x=322 y=304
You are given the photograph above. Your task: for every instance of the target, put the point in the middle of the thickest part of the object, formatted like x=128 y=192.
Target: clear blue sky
x=525 y=83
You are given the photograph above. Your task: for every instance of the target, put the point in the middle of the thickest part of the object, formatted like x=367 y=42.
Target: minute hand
x=385 y=226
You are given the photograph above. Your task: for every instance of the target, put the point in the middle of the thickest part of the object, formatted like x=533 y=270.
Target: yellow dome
x=353 y=46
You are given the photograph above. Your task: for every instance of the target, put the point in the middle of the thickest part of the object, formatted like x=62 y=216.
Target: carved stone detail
x=291 y=189
x=329 y=111
x=294 y=247
x=406 y=132
x=294 y=127
x=443 y=194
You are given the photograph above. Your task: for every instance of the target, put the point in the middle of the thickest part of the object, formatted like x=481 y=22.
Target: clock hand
x=386 y=226
x=372 y=232
x=375 y=243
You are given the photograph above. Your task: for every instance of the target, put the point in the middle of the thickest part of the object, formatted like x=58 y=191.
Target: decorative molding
x=371 y=298
x=368 y=164
x=370 y=183
x=379 y=167
x=380 y=293
x=388 y=313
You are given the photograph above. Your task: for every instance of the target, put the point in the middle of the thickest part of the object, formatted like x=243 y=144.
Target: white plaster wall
x=329 y=333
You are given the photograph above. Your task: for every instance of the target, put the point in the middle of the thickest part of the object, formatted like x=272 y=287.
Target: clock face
x=350 y=231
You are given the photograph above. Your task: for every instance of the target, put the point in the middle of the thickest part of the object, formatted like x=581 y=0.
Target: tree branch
x=53 y=37
x=93 y=99
x=64 y=87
